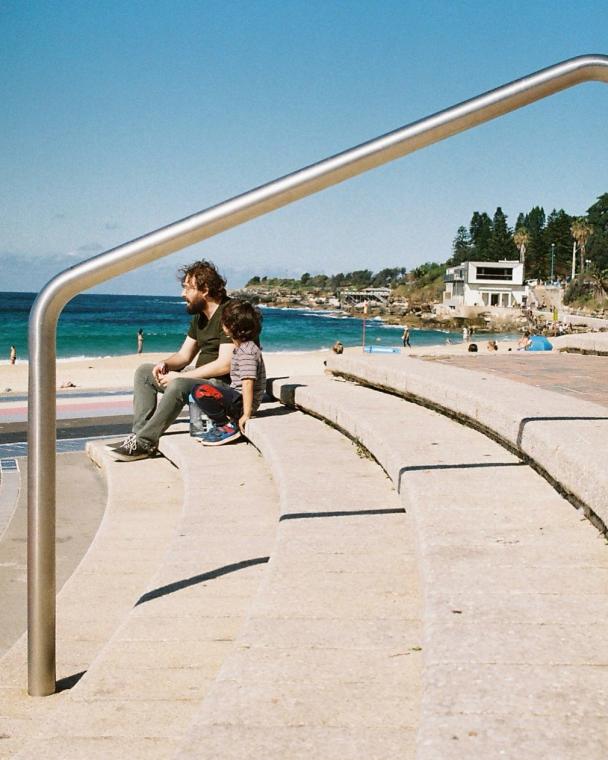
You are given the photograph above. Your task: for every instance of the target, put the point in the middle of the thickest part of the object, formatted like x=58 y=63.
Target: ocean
x=94 y=325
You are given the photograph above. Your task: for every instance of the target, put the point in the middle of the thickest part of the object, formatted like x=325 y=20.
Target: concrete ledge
x=328 y=664
x=514 y=583
x=564 y=437
x=95 y=599
x=584 y=343
x=141 y=693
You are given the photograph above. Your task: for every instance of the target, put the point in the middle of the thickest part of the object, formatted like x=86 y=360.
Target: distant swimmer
x=12 y=355
x=140 y=341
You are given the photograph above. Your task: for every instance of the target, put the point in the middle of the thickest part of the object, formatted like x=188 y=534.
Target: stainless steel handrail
x=54 y=296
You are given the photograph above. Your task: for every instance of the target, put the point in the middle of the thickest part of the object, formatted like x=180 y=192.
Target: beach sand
x=117 y=372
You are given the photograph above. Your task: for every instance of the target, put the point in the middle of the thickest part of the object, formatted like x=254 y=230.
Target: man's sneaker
x=220 y=434
x=131 y=450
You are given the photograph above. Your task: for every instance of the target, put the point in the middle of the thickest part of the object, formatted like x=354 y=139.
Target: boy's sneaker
x=220 y=434
x=130 y=450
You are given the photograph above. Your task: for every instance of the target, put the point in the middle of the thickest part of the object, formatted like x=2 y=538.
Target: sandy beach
x=117 y=372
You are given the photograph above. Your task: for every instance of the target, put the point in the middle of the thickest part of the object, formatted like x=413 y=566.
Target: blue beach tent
x=540 y=343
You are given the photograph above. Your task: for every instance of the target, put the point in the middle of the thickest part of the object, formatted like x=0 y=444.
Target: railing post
x=193 y=229
x=41 y=473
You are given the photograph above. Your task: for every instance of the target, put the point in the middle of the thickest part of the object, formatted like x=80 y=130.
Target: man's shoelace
x=130 y=443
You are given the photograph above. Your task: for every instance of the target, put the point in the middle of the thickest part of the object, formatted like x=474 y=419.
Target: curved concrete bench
x=140 y=694
x=564 y=437
x=328 y=665
x=515 y=585
x=101 y=591
x=584 y=343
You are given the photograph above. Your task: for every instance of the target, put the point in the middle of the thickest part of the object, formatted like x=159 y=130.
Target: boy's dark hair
x=205 y=275
x=242 y=320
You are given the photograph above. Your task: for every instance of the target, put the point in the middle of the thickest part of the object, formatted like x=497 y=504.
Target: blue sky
x=121 y=117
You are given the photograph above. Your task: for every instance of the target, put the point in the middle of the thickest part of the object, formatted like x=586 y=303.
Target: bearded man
x=204 y=291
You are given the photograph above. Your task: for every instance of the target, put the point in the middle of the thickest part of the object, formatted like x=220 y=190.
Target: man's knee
x=180 y=387
x=143 y=373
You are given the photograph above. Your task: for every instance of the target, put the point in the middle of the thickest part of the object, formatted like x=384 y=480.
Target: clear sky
x=120 y=117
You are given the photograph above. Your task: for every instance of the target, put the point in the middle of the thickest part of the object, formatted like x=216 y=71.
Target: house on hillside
x=485 y=283
x=373 y=296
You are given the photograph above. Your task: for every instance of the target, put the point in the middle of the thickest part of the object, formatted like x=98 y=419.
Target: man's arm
x=176 y=361
x=216 y=368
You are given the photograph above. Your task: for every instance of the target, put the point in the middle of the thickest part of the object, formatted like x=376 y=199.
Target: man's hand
x=159 y=370
x=165 y=379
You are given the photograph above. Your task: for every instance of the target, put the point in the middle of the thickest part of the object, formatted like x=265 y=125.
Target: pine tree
x=501 y=241
x=536 y=256
x=597 y=248
x=557 y=233
x=481 y=232
x=461 y=247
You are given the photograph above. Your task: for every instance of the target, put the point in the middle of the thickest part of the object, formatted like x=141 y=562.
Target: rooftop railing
x=261 y=200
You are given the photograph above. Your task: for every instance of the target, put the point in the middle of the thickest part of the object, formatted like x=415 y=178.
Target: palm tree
x=521 y=238
x=599 y=281
x=581 y=231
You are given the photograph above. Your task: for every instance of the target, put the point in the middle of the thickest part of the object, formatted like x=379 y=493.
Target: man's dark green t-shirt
x=208 y=334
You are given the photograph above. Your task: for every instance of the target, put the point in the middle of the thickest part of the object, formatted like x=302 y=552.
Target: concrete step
x=563 y=436
x=328 y=665
x=94 y=601
x=515 y=583
x=77 y=522
x=140 y=694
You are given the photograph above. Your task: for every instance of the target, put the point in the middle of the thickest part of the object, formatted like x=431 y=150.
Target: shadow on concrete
x=340 y=513
x=209 y=576
x=63 y=684
x=526 y=420
x=277 y=411
x=461 y=466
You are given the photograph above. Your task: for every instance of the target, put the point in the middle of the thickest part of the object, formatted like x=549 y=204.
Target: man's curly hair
x=205 y=275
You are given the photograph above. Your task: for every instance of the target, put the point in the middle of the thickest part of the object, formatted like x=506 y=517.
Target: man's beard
x=195 y=307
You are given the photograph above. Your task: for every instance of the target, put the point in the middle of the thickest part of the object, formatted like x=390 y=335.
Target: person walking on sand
x=405 y=338
x=140 y=341
x=204 y=291
x=12 y=356
x=229 y=407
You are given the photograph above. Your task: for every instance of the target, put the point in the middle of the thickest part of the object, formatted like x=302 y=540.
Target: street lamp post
x=552 y=260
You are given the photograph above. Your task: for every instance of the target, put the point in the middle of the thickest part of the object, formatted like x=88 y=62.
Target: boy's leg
x=217 y=400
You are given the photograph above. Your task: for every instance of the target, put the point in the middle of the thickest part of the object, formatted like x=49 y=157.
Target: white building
x=485 y=283
x=373 y=296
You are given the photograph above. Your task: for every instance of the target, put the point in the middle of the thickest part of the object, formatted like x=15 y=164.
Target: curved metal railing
x=261 y=200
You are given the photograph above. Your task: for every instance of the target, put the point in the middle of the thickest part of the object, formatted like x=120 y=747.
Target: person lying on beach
x=524 y=343
x=229 y=407
x=204 y=291
x=492 y=345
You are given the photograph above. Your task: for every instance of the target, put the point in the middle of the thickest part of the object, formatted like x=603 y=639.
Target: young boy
x=230 y=406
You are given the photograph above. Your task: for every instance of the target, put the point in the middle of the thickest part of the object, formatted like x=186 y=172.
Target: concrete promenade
x=302 y=604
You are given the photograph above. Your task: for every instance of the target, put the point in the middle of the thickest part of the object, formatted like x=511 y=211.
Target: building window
x=495 y=273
